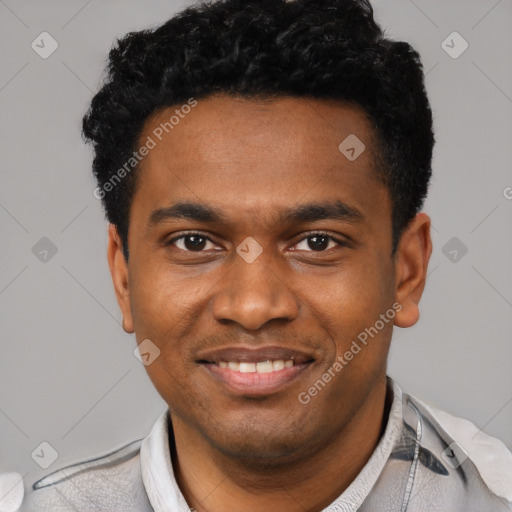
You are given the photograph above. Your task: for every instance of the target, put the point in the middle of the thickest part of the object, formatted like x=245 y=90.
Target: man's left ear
x=411 y=262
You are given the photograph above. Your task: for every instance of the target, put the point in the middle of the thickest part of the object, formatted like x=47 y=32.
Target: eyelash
x=309 y=235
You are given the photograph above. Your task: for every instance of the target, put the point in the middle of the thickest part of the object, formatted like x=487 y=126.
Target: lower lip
x=254 y=383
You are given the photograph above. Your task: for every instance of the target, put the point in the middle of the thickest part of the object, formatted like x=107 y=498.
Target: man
x=263 y=165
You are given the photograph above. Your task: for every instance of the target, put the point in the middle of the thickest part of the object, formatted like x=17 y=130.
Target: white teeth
x=247 y=367
x=264 y=367
x=261 y=367
x=278 y=365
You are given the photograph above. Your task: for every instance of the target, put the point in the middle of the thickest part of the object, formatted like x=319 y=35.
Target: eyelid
x=186 y=234
x=335 y=238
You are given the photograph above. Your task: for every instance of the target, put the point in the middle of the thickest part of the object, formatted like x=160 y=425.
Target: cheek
x=160 y=300
x=162 y=315
x=350 y=303
x=168 y=309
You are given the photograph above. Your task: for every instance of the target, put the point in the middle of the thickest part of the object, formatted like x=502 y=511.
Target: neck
x=214 y=482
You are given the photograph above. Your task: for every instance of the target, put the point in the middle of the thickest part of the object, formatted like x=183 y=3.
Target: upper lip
x=252 y=355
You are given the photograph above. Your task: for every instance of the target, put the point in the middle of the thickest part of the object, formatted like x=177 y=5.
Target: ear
x=411 y=262
x=119 y=271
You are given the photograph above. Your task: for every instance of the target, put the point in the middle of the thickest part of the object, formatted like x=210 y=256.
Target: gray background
x=68 y=375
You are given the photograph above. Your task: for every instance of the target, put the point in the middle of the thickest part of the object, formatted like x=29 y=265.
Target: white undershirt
x=164 y=494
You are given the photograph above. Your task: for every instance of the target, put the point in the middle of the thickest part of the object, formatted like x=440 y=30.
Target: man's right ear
x=119 y=272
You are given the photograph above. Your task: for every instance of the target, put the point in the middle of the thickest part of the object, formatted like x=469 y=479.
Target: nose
x=253 y=294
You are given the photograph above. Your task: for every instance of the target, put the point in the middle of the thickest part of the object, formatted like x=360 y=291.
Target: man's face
x=269 y=278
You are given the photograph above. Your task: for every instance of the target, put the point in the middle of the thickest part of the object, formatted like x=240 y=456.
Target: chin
x=261 y=441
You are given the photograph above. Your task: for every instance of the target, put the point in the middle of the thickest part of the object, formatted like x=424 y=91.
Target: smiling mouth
x=256 y=372
x=267 y=366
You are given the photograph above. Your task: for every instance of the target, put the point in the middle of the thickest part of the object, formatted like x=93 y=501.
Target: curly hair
x=321 y=49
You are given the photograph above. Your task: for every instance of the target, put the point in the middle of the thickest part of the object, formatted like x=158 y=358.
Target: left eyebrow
x=312 y=212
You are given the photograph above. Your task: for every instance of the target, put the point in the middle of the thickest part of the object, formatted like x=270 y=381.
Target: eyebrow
x=304 y=213
x=186 y=210
x=312 y=212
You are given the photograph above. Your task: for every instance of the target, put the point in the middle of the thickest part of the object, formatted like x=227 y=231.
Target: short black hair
x=321 y=49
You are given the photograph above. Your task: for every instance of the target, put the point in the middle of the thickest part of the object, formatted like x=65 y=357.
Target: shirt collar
x=164 y=494
x=157 y=471
x=355 y=494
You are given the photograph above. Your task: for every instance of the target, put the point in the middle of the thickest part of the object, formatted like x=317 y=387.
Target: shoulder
x=489 y=455
x=110 y=482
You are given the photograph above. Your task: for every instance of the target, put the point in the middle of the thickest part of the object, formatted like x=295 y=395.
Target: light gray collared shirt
x=426 y=459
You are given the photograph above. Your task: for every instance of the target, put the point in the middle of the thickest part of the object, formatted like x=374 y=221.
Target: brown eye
x=318 y=242
x=193 y=242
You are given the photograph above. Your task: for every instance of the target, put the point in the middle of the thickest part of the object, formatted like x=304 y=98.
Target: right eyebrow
x=186 y=210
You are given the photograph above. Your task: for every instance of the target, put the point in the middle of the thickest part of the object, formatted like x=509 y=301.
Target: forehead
x=220 y=126
x=255 y=155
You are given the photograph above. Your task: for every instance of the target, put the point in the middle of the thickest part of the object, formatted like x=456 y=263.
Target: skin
x=251 y=159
